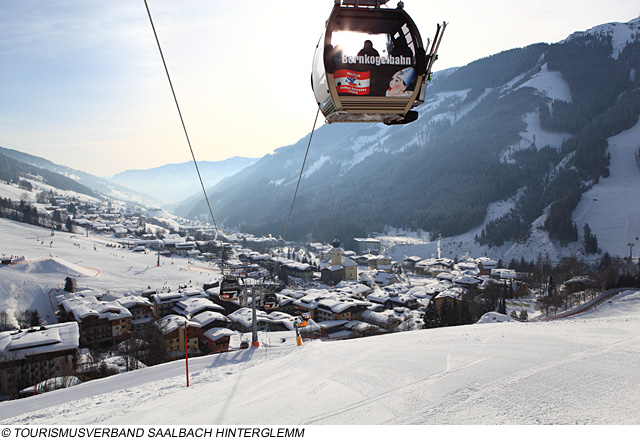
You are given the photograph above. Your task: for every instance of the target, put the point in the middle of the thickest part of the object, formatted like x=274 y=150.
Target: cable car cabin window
x=374 y=64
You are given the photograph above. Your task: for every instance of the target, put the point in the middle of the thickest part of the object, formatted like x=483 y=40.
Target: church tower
x=336 y=253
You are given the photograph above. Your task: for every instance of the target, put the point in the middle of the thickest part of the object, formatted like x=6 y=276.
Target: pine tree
x=590 y=240
x=69 y=285
x=36 y=321
x=430 y=317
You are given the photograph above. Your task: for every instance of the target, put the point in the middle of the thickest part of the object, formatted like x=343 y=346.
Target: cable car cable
x=184 y=127
x=300 y=176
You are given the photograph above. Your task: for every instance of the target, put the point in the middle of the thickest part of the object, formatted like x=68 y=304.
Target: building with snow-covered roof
x=172 y=329
x=340 y=268
x=504 y=274
x=190 y=307
x=376 y=277
x=216 y=340
x=141 y=311
x=433 y=266
x=163 y=302
x=242 y=320
x=485 y=265
x=102 y=323
x=410 y=262
x=37 y=354
x=338 y=309
x=452 y=295
x=367 y=245
x=381 y=262
x=296 y=270
x=209 y=319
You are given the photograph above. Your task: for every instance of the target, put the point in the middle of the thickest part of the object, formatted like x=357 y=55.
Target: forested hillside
x=529 y=125
x=12 y=170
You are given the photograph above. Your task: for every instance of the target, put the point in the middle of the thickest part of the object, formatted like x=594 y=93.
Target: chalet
x=367 y=245
x=141 y=311
x=454 y=294
x=296 y=270
x=362 y=329
x=332 y=275
x=102 y=323
x=172 y=329
x=405 y=300
x=380 y=262
x=208 y=320
x=433 y=266
x=578 y=284
x=485 y=265
x=339 y=309
x=468 y=282
x=409 y=263
x=216 y=340
x=503 y=274
x=393 y=319
x=37 y=354
x=193 y=306
x=164 y=302
x=334 y=329
x=373 y=278
x=242 y=320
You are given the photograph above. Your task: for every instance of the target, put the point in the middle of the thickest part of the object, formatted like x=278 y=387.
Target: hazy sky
x=82 y=82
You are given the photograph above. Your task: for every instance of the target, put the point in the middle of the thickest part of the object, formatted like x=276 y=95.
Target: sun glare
x=352 y=42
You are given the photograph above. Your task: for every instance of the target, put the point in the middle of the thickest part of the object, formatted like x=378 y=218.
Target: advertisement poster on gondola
x=354 y=83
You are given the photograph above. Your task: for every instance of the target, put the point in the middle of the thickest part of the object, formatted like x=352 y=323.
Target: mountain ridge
x=532 y=121
x=182 y=176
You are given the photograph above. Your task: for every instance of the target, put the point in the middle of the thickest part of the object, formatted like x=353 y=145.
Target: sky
x=82 y=82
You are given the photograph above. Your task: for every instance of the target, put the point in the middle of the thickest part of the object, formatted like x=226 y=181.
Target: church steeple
x=336 y=252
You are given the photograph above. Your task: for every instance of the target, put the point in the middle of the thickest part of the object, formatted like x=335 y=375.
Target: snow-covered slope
x=580 y=370
x=94 y=261
x=621 y=34
x=612 y=207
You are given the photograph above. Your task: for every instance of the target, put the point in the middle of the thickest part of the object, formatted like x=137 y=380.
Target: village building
x=216 y=340
x=102 y=323
x=340 y=267
x=486 y=265
x=190 y=307
x=141 y=311
x=451 y=296
x=172 y=329
x=208 y=320
x=340 y=309
x=433 y=266
x=37 y=354
x=380 y=278
x=380 y=262
x=164 y=302
x=367 y=245
x=293 y=269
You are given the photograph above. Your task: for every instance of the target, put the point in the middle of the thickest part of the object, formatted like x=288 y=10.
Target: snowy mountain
x=85 y=183
x=528 y=130
x=176 y=182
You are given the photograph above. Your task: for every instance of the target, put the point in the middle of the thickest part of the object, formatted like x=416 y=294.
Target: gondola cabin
x=230 y=288
x=270 y=301
x=370 y=64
